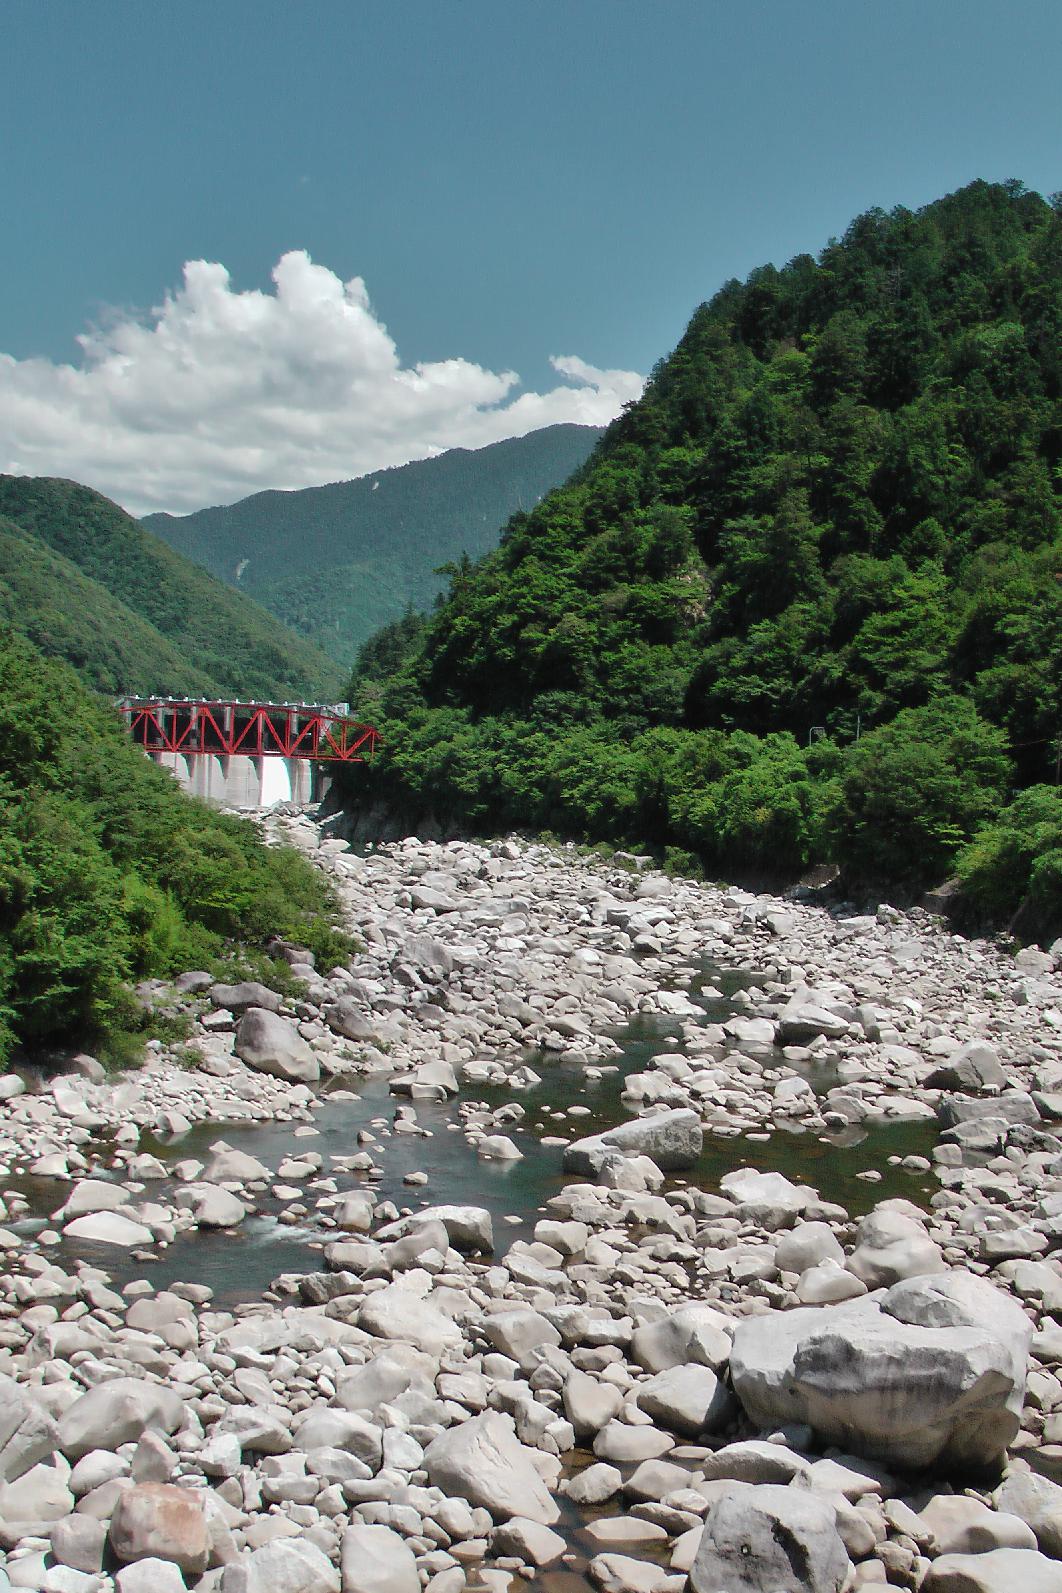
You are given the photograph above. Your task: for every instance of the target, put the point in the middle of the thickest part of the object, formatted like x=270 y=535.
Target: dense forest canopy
x=109 y=873
x=805 y=599
x=86 y=583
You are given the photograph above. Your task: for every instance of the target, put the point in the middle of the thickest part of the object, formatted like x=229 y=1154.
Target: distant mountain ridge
x=339 y=561
x=84 y=582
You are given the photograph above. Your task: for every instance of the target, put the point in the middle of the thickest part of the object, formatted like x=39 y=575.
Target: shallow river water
x=239 y=1265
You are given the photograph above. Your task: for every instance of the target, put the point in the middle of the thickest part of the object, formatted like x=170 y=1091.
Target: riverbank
x=423 y=1398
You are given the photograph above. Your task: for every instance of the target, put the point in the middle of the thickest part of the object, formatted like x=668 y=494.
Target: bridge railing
x=248 y=729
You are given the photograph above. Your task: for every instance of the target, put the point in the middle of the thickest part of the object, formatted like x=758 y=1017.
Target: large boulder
x=377 y=1560
x=117 y=1412
x=802 y=1019
x=768 y=1199
x=424 y=952
x=519 y=1333
x=929 y=1373
x=483 y=1461
x=287 y=1565
x=891 y=1245
x=249 y=993
x=27 y=1433
x=1013 y=1106
x=383 y=1378
x=397 y=1312
x=961 y=1525
x=323 y=1427
x=809 y=1244
x=469 y=1228
x=974 y=1067
x=159 y=1521
x=270 y=1044
x=687 y=1400
x=109 y=1228
x=230 y=1166
x=1037 y=1501
x=672 y=1139
x=428 y=1081
x=40 y=1494
x=93 y=1194
x=694 y=1332
x=765 y=1538
x=589 y=1403
x=347 y=1018
x=148 y=1576
x=210 y=1206
x=998 y=1571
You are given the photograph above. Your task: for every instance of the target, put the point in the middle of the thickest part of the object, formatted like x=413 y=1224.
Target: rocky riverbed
x=662 y=1363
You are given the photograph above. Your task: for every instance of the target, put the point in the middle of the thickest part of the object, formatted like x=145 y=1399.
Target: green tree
x=913 y=790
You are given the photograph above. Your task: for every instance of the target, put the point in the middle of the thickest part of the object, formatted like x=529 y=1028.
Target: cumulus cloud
x=218 y=393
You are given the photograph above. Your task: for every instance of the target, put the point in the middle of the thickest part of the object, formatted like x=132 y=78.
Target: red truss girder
x=248 y=729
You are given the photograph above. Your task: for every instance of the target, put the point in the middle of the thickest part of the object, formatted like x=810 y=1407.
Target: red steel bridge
x=218 y=750
x=248 y=729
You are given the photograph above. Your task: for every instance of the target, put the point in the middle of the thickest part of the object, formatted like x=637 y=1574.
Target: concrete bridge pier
x=300 y=780
x=246 y=781
x=243 y=782
x=203 y=777
x=207 y=777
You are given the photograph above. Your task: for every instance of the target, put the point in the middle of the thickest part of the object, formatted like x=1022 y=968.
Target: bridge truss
x=200 y=729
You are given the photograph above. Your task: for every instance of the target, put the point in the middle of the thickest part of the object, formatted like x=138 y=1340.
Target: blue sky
x=510 y=181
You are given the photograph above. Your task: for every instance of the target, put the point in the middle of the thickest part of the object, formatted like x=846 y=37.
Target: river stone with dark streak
x=765 y=1538
x=928 y=1373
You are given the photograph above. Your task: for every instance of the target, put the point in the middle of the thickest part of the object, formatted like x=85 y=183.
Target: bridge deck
x=248 y=729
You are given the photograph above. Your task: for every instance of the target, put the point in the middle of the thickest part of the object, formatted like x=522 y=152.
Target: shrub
x=912 y=791
x=1014 y=865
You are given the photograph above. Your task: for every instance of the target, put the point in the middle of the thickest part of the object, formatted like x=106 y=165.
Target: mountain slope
x=92 y=586
x=836 y=510
x=47 y=599
x=110 y=873
x=335 y=562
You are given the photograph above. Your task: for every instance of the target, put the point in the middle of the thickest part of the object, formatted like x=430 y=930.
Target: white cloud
x=219 y=393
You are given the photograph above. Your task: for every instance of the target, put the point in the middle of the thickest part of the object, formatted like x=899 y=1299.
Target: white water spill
x=276 y=782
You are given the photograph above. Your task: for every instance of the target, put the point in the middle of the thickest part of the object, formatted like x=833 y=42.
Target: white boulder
x=483 y=1461
x=270 y=1044
x=931 y=1372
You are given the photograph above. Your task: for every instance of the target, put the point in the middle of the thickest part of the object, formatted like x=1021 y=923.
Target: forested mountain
x=86 y=583
x=804 y=601
x=109 y=872
x=336 y=562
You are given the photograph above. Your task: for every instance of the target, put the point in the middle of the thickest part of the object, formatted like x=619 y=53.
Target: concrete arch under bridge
x=248 y=755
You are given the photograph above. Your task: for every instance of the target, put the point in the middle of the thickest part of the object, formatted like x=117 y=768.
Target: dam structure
x=248 y=754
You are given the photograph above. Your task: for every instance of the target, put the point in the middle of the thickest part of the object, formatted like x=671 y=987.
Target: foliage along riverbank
x=805 y=600
x=109 y=873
